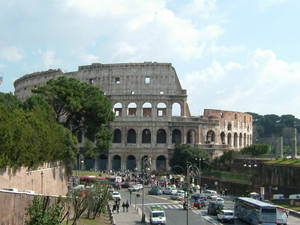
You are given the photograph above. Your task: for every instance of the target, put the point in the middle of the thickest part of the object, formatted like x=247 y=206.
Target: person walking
x=127 y=206
x=124 y=206
x=118 y=207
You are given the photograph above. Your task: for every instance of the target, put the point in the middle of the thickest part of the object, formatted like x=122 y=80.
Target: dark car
x=214 y=208
x=155 y=191
x=126 y=184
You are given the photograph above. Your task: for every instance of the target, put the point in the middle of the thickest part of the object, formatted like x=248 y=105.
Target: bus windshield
x=268 y=210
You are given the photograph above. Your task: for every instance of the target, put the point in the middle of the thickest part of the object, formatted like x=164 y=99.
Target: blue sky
x=241 y=55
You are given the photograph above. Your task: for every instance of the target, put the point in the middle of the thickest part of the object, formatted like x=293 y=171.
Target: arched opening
x=117 y=136
x=131 y=136
x=143 y=161
x=132 y=108
x=210 y=137
x=223 y=138
x=116 y=163
x=235 y=139
x=161 y=109
x=118 y=109
x=245 y=139
x=161 y=136
x=131 y=163
x=190 y=137
x=102 y=162
x=229 y=126
x=146 y=136
x=229 y=139
x=241 y=140
x=176 y=109
x=161 y=163
x=176 y=136
x=147 y=110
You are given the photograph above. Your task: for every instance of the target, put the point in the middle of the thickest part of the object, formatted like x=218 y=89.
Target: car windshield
x=228 y=213
x=158 y=214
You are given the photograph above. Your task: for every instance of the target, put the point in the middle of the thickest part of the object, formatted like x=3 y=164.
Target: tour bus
x=255 y=212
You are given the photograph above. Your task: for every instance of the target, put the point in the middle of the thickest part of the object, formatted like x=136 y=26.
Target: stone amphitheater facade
x=152 y=114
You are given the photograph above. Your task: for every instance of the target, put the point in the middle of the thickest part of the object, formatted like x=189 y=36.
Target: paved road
x=175 y=213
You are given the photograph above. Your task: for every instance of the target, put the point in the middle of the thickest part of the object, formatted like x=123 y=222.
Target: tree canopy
x=256 y=149
x=80 y=107
x=184 y=154
x=30 y=135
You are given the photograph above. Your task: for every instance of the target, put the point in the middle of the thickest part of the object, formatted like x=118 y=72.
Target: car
x=200 y=203
x=177 y=196
x=209 y=193
x=126 y=184
x=10 y=189
x=220 y=201
x=199 y=196
x=169 y=191
x=214 y=208
x=116 y=195
x=136 y=187
x=155 y=191
x=226 y=215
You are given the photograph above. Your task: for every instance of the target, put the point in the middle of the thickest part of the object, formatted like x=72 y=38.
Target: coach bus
x=255 y=212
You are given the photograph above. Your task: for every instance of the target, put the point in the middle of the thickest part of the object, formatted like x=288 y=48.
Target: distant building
x=152 y=114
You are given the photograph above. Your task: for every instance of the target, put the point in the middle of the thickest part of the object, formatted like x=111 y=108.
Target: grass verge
x=101 y=220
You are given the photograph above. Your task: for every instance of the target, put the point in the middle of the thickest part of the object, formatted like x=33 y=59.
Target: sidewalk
x=131 y=217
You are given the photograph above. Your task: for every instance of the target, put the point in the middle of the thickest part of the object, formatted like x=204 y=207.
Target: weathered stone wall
x=45 y=180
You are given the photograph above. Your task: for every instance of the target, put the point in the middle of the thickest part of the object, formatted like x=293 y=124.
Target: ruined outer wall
x=49 y=181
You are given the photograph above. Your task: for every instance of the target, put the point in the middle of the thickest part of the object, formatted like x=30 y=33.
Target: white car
x=217 y=200
x=115 y=195
x=225 y=215
x=209 y=193
x=170 y=191
x=136 y=187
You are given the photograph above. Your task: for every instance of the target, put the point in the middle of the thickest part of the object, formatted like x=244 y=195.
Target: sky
x=238 y=55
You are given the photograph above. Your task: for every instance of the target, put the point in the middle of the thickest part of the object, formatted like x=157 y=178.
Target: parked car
x=209 y=193
x=155 y=191
x=225 y=215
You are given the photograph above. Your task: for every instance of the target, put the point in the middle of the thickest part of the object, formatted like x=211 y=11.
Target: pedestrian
x=114 y=208
x=124 y=205
x=127 y=206
x=118 y=207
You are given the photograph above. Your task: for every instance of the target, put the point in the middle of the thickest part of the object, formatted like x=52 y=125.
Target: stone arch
x=241 y=140
x=102 y=162
x=116 y=162
x=235 y=139
x=142 y=161
x=161 y=109
x=210 y=136
x=176 y=109
x=161 y=163
x=229 y=126
x=147 y=109
x=245 y=139
x=118 y=109
x=191 y=137
x=132 y=109
x=146 y=136
x=117 y=136
x=229 y=139
x=131 y=136
x=222 y=135
x=161 y=136
x=131 y=162
x=176 y=136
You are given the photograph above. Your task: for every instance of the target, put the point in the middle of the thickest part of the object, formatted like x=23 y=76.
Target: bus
x=255 y=212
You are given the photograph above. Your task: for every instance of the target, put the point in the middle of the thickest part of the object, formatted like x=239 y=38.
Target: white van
x=294 y=196
x=157 y=215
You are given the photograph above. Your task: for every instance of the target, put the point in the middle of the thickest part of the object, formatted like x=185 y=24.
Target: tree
x=256 y=149
x=184 y=154
x=80 y=107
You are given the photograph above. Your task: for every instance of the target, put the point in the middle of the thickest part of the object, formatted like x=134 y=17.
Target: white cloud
x=11 y=54
x=265 y=4
x=264 y=84
x=49 y=59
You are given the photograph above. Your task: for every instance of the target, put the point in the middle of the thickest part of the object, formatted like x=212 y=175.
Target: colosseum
x=152 y=114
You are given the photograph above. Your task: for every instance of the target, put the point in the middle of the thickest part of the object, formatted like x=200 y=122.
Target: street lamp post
x=145 y=160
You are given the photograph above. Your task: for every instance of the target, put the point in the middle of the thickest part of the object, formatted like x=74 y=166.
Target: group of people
x=116 y=206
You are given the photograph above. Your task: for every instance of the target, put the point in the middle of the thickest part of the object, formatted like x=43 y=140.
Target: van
x=294 y=196
x=157 y=215
x=278 y=196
